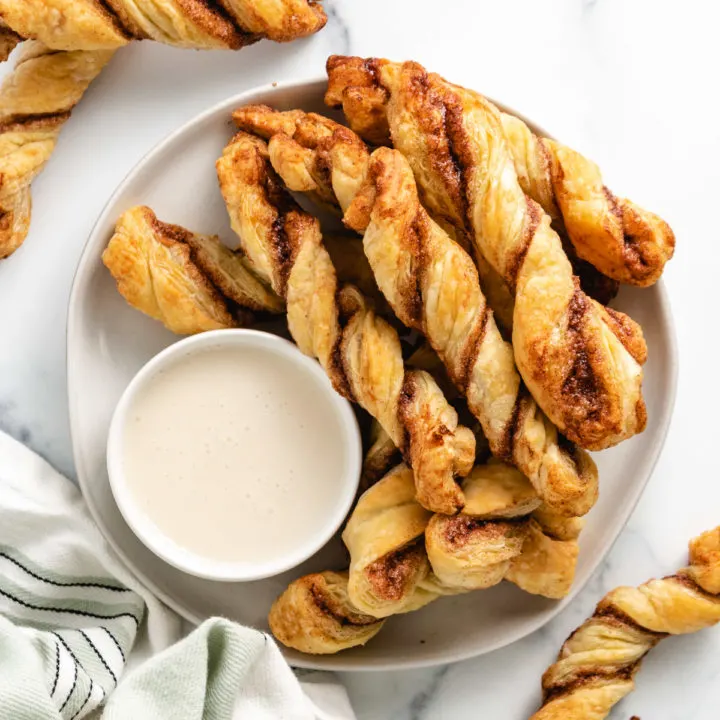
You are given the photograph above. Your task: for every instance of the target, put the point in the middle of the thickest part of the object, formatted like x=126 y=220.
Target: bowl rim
x=184 y=559
x=338 y=662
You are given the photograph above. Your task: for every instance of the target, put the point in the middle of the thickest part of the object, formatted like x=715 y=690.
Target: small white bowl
x=166 y=548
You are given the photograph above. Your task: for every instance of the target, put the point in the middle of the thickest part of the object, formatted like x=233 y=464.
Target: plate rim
x=336 y=662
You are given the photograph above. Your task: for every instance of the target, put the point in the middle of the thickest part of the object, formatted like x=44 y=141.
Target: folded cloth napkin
x=73 y=619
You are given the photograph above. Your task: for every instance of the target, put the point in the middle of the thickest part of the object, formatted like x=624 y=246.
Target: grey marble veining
x=339 y=27
x=630 y=84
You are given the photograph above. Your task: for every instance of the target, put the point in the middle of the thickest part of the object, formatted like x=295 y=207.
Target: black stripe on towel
x=97 y=652
x=102 y=586
x=71 y=611
x=57 y=669
x=82 y=707
x=115 y=640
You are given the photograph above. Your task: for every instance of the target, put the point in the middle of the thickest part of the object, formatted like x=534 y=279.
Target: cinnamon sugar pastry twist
x=498 y=536
x=315 y=615
x=35 y=101
x=581 y=361
x=619 y=238
x=384 y=536
x=383 y=454
x=597 y=664
x=500 y=298
x=362 y=356
x=139 y=280
x=474 y=550
x=432 y=286
x=180 y=278
x=198 y=24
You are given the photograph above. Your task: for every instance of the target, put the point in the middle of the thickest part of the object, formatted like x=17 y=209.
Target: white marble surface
x=632 y=84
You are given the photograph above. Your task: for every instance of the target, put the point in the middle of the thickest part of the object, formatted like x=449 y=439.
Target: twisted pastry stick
x=500 y=298
x=383 y=454
x=363 y=359
x=501 y=534
x=198 y=24
x=140 y=240
x=432 y=285
x=159 y=271
x=384 y=537
x=474 y=550
x=581 y=361
x=35 y=101
x=495 y=537
x=619 y=238
x=597 y=664
x=315 y=615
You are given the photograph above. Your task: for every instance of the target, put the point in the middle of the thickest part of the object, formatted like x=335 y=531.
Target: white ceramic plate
x=108 y=342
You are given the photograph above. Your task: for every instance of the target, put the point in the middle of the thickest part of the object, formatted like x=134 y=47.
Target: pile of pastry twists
x=69 y=42
x=477 y=468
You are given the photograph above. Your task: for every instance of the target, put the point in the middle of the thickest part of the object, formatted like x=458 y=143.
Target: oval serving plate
x=109 y=341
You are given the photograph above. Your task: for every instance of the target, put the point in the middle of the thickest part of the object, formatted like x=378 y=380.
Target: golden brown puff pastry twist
x=498 y=536
x=432 y=285
x=581 y=361
x=597 y=664
x=619 y=238
x=36 y=99
x=197 y=24
x=353 y=85
x=174 y=275
x=315 y=615
x=425 y=358
x=384 y=536
x=362 y=356
x=500 y=298
x=383 y=454
x=473 y=550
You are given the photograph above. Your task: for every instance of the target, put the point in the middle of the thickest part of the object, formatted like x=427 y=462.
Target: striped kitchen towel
x=70 y=612
x=73 y=620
